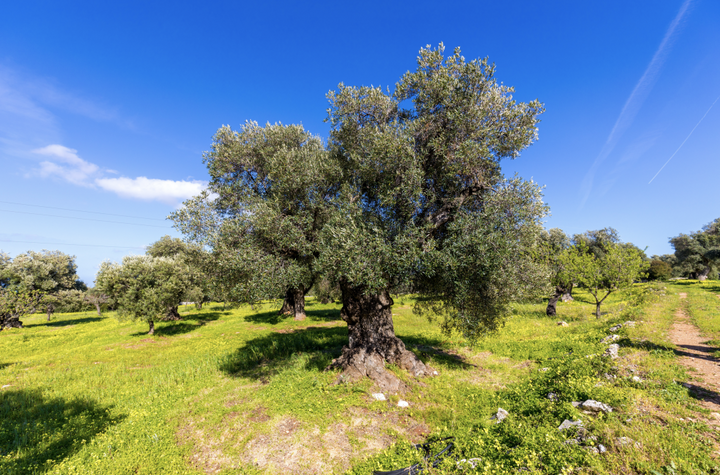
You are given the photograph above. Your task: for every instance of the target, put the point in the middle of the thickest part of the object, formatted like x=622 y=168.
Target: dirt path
x=698 y=356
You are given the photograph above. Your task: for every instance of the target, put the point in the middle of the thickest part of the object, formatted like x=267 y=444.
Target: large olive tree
x=407 y=193
x=698 y=254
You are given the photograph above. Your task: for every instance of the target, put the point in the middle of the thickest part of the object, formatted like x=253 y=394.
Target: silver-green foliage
x=144 y=287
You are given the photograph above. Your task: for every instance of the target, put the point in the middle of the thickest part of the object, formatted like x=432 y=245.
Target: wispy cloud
x=151 y=189
x=66 y=165
x=635 y=100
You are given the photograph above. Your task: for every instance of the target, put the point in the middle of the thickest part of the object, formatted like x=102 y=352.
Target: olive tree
x=698 y=254
x=144 y=287
x=556 y=244
x=272 y=185
x=47 y=272
x=16 y=302
x=616 y=269
x=407 y=193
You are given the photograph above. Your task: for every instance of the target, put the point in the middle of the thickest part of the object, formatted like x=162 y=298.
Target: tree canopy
x=144 y=287
x=698 y=253
x=408 y=191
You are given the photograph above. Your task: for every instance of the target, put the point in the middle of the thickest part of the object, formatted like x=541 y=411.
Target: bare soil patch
x=697 y=355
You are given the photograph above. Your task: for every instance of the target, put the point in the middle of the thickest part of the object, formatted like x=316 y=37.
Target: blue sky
x=107 y=108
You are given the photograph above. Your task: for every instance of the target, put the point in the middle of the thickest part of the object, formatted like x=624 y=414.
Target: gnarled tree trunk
x=152 y=327
x=702 y=275
x=97 y=306
x=372 y=341
x=10 y=321
x=288 y=305
x=560 y=292
x=294 y=303
x=172 y=314
x=299 y=304
x=567 y=295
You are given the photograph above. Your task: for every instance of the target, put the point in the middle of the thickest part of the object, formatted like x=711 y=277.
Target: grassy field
x=243 y=391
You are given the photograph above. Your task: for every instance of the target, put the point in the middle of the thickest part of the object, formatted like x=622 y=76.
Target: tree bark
x=597 y=309
x=299 y=304
x=567 y=295
x=551 y=309
x=152 y=327
x=172 y=314
x=11 y=321
x=97 y=306
x=704 y=274
x=198 y=305
x=372 y=341
x=288 y=305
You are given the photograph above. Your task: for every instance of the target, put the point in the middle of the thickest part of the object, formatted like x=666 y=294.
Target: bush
x=659 y=270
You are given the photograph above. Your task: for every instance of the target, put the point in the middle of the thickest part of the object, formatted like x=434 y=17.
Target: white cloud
x=151 y=189
x=66 y=164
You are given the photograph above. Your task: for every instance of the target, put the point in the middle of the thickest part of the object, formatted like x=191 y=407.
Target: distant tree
x=556 y=243
x=698 y=254
x=196 y=259
x=16 y=302
x=47 y=272
x=272 y=185
x=96 y=298
x=144 y=287
x=617 y=269
x=659 y=270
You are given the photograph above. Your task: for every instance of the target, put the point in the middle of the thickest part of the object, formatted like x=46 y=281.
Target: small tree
x=556 y=244
x=96 y=297
x=615 y=270
x=14 y=303
x=144 y=287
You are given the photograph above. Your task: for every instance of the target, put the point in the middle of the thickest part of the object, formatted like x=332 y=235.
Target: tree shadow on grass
x=36 y=431
x=5 y=365
x=182 y=326
x=274 y=317
x=66 y=323
x=267 y=355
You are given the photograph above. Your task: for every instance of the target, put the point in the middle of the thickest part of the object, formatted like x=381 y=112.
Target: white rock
x=379 y=396
x=610 y=338
x=6 y=386
x=637 y=379
x=616 y=328
x=563 y=324
x=612 y=351
x=568 y=424
x=500 y=415
x=595 y=406
x=402 y=403
x=629 y=324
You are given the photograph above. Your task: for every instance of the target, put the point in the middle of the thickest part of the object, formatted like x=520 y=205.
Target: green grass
x=244 y=391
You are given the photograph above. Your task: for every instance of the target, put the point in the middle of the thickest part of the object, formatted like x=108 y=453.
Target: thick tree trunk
x=172 y=314
x=288 y=306
x=11 y=321
x=597 y=309
x=152 y=328
x=97 y=306
x=299 y=304
x=703 y=274
x=198 y=305
x=372 y=341
x=567 y=295
x=551 y=309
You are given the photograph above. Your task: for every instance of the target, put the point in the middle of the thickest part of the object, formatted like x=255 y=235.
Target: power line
x=67 y=244
x=80 y=211
x=85 y=219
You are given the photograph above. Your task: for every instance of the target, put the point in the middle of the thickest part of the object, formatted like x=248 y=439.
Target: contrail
x=635 y=100
x=686 y=139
